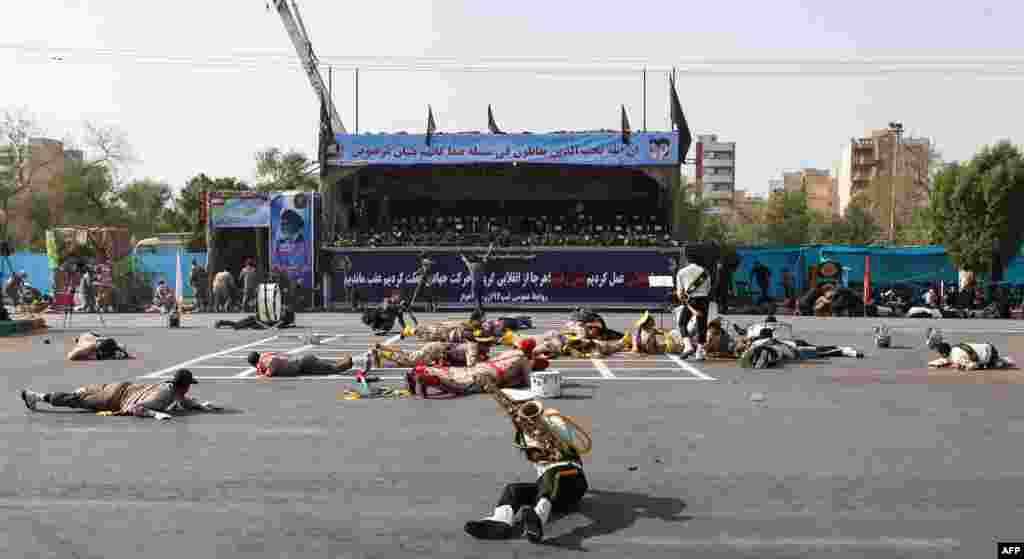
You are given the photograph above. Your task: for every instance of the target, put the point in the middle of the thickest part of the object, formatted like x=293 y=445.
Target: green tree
x=183 y=216
x=787 y=219
x=277 y=171
x=89 y=195
x=971 y=204
x=858 y=225
x=144 y=202
x=919 y=230
x=21 y=167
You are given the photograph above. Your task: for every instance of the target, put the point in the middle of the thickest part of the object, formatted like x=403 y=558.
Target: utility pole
x=897 y=129
x=645 y=101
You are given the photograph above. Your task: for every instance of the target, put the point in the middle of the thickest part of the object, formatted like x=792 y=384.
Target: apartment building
x=821 y=188
x=884 y=168
x=46 y=163
x=716 y=165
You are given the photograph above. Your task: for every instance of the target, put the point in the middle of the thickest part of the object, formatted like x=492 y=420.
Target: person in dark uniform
x=723 y=279
x=477 y=267
x=762 y=275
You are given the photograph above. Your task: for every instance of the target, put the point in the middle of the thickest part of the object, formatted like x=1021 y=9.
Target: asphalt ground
x=872 y=457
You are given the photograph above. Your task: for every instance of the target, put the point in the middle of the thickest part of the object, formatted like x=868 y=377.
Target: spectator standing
x=223 y=287
x=249 y=279
x=787 y=283
x=762 y=275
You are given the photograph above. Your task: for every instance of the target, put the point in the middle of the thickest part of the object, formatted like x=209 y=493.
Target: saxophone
x=530 y=418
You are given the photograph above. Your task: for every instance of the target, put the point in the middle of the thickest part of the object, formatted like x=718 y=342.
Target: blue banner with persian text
x=545 y=278
x=584 y=148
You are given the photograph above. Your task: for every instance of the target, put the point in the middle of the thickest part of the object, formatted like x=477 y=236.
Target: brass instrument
x=530 y=418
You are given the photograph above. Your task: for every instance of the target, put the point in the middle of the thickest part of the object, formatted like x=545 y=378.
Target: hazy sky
x=183 y=118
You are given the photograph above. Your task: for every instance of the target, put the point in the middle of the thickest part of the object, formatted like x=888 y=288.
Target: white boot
x=851 y=352
x=32 y=398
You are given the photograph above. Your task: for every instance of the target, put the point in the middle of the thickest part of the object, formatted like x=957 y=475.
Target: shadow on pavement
x=610 y=512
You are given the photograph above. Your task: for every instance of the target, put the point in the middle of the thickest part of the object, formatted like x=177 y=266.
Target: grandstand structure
x=471 y=189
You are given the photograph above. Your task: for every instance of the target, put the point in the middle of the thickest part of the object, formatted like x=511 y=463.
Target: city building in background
x=886 y=167
x=821 y=188
x=45 y=164
x=716 y=167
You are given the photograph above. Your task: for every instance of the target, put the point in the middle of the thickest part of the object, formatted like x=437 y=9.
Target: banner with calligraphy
x=559 y=277
x=583 y=148
x=239 y=209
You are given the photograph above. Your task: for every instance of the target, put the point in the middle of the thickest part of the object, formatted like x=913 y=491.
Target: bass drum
x=269 y=303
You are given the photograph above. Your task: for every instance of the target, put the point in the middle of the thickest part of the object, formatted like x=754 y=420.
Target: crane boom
x=304 y=48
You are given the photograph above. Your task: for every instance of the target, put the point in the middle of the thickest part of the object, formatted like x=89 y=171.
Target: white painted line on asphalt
x=252 y=370
x=235 y=367
x=205 y=357
x=803 y=543
x=690 y=368
x=602 y=368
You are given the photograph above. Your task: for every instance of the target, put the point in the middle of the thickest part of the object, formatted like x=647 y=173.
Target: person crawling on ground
x=450 y=330
x=382 y=319
x=431 y=353
x=91 y=346
x=723 y=344
x=554 y=344
x=509 y=369
x=966 y=356
x=646 y=337
x=774 y=344
x=125 y=398
x=590 y=325
x=253 y=323
x=270 y=364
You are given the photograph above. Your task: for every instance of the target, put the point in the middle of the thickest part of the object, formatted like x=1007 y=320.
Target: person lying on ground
x=554 y=344
x=587 y=324
x=966 y=356
x=125 y=398
x=560 y=484
x=253 y=323
x=91 y=346
x=431 y=353
x=647 y=338
x=270 y=364
x=508 y=369
x=449 y=330
x=768 y=351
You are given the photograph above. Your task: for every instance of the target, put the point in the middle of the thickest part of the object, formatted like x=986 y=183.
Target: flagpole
x=645 y=99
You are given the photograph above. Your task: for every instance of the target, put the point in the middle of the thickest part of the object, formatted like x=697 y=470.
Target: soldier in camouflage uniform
x=463 y=354
x=125 y=398
x=510 y=369
x=647 y=338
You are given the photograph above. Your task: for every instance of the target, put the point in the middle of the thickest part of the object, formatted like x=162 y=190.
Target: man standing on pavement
x=693 y=285
x=762 y=274
x=249 y=279
x=87 y=287
x=200 y=283
x=125 y=398
x=723 y=278
x=787 y=283
x=477 y=267
x=223 y=287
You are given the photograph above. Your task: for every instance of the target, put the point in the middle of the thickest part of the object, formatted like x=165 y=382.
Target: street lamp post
x=897 y=129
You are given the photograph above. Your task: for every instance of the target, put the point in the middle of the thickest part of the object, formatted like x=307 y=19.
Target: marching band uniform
x=525 y=508
x=646 y=338
x=966 y=356
x=510 y=368
x=430 y=353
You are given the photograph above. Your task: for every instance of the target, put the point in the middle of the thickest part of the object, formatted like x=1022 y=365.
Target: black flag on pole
x=431 y=125
x=492 y=125
x=326 y=137
x=626 y=130
x=679 y=121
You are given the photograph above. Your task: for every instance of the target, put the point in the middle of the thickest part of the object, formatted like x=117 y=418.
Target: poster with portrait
x=292 y=235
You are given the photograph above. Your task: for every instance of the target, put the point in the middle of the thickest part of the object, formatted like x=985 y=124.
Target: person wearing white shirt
x=693 y=286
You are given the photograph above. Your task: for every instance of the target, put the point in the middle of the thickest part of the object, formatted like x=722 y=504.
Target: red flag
x=867 y=279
